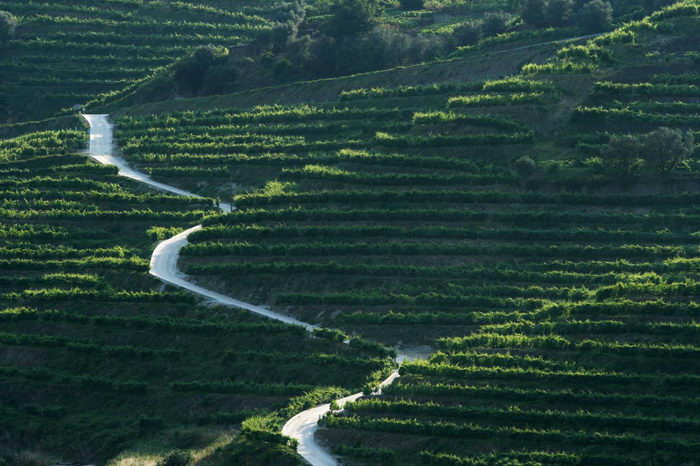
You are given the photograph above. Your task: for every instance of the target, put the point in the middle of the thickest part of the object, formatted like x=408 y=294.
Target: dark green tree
x=558 y=12
x=190 y=73
x=624 y=153
x=533 y=13
x=595 y=16
x=525 y=166
x=8 y=25
x=351 y=17
x=494 y=24
x=466 y=34
x=665 y=148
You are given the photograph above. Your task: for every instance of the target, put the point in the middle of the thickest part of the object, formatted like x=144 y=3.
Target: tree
x=595 y=16
x=290 y=16
x=412 y=4
x=190 y=73
x=558 y=12
x=666 y=148
x=494 y=24
x=466 y=34
x=525 y=166
x=8 y=24
x=351 y=17
x=533 y=13
x=624 y=152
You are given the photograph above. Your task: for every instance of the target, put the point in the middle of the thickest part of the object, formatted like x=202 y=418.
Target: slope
x=99 y=358
x=491 y=219
x=68 y=52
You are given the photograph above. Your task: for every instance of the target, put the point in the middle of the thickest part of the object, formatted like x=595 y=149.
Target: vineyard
x=464 y=217
x=69 y=52
x=523 y=245
x=81 y=315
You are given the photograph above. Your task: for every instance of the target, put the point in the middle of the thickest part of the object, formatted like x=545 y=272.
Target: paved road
x=164 y=266
x=303 y=426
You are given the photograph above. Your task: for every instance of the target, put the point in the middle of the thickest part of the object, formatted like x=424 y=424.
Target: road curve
x=304 y=425
x=166 y=254
x=164 y=266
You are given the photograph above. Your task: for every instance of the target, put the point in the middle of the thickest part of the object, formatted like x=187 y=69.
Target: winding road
x=164 y=266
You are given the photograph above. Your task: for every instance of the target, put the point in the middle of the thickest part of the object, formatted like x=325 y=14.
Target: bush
x=558 y=12
x=330 y=334
x=190 y=73
x=351 y=17
x=625 y=153
x=412 y=4
x=176 y=458
x=466 y=34
x=8 y=24
x=666 y=148
x=533 y=13
x=525 y=166
x=595 y=16
x=495 y=24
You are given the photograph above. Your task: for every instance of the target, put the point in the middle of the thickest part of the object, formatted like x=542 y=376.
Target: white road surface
x=102 y=150
x=304 y=425
x=164 y=266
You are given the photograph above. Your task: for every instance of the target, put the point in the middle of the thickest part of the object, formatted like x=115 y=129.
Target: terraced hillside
x=512 y=224
x=68 y=52
x=596 y=367
x=536 y=233
x=99 y=359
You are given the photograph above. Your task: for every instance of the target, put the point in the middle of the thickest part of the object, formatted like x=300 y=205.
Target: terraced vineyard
x=561 y=307
x=81 y=315
x=68 y=52
x=532 y=239
x=77 y=52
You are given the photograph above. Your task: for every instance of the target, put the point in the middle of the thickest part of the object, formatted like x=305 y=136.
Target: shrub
x=558 y=12
x=330 y=334
x=351 y=17
x=595 y=16
x=495 y=24
x=665 y=148
x=190 y=73
x=533 y=13
x=466 y=34
x=146 y=423
x=525 y=166
x=8 y=24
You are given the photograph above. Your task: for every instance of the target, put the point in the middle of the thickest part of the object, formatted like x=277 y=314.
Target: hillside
x=68 y=52
x=489 y=219
x=520 y=213
x=97 y=357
